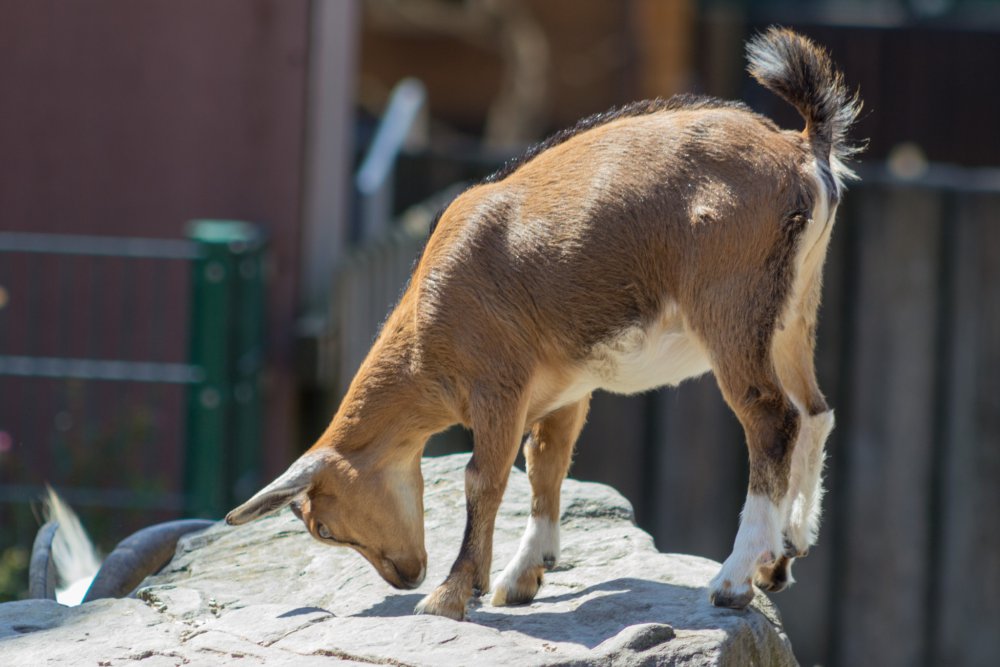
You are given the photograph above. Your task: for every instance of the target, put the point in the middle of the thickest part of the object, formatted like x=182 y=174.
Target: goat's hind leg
x=802 y=507
x=547 y=454
x=771 y=424
x=793 y=356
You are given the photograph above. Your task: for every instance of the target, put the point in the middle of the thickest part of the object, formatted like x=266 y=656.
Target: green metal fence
x=94 y=330
x=227 y=305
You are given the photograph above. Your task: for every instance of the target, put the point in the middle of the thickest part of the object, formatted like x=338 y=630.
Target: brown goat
x=643 y=247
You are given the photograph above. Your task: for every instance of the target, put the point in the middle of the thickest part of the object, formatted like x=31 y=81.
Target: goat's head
x=374 y=507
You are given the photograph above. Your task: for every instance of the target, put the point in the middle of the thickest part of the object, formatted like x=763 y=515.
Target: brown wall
x=130 y=118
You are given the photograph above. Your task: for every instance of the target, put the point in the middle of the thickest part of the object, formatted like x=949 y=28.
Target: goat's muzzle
x=403 y=579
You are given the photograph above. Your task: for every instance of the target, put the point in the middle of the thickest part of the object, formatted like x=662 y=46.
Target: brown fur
x=692 y=214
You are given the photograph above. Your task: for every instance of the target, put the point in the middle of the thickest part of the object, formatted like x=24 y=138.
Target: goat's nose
x=296 y=507
x=410 y=581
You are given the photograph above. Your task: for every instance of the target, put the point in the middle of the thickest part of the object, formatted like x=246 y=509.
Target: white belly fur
x=637 y=360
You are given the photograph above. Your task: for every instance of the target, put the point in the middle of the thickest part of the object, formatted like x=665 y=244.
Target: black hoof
x=732 y=599
x=776 y=583
x=775 y=577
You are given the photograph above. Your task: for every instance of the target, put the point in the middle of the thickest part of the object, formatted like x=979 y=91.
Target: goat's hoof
x=776 y=576
x=725 y=594
x=442 y=602
x=517 y=588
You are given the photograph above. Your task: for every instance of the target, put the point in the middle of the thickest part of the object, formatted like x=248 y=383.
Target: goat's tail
x=803 y=74
x=76 y=559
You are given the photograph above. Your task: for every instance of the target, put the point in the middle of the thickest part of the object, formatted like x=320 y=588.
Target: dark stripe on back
x=640 y=108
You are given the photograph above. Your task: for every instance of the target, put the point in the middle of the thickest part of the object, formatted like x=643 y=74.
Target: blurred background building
x=152 y=365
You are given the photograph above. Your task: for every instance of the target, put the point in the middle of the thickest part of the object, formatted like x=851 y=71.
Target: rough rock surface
x=268 y=593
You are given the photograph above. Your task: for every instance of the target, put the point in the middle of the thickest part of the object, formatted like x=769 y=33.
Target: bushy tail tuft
x=803 y=74
x=76 y=559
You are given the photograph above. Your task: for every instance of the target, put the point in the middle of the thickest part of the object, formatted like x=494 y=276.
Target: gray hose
x=141 y=554
x=42 y=570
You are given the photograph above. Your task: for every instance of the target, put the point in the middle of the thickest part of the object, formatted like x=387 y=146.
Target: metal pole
x=249 y=336
x=225 y=337
x=403 y=124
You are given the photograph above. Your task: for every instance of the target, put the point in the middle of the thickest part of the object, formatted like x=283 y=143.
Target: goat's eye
x=323 y=532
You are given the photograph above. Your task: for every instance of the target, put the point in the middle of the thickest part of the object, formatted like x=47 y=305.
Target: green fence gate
x=90 y=325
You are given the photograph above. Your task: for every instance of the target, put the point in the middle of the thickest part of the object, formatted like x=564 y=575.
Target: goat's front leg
x=547 y=455
x=497 y=429
x=771 y=424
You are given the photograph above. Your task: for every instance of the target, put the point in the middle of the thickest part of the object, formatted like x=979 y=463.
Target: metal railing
x=143 y=352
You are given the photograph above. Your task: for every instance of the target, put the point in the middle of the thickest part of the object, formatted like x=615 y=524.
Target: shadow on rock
x=300 y=611
x=395 y=605
x=593 y=615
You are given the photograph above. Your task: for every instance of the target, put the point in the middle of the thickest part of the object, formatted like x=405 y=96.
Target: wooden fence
x=907 y=570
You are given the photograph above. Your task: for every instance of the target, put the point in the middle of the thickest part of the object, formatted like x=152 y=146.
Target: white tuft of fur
x=540 y=539
x=758 y=541
x=807 y=468
x=74 y=555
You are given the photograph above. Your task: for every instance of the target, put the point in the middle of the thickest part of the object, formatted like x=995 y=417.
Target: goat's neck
x=391 y=407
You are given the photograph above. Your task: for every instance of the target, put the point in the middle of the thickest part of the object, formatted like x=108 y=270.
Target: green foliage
x=13 y=574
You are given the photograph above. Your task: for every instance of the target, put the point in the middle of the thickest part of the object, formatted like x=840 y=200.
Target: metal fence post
x=249 y=336
x=223 y=440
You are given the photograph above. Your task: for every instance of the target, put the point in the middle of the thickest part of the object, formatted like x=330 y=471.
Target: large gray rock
x=268 y=593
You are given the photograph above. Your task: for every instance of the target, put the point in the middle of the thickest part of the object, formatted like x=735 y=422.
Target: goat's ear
x=278 y=493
